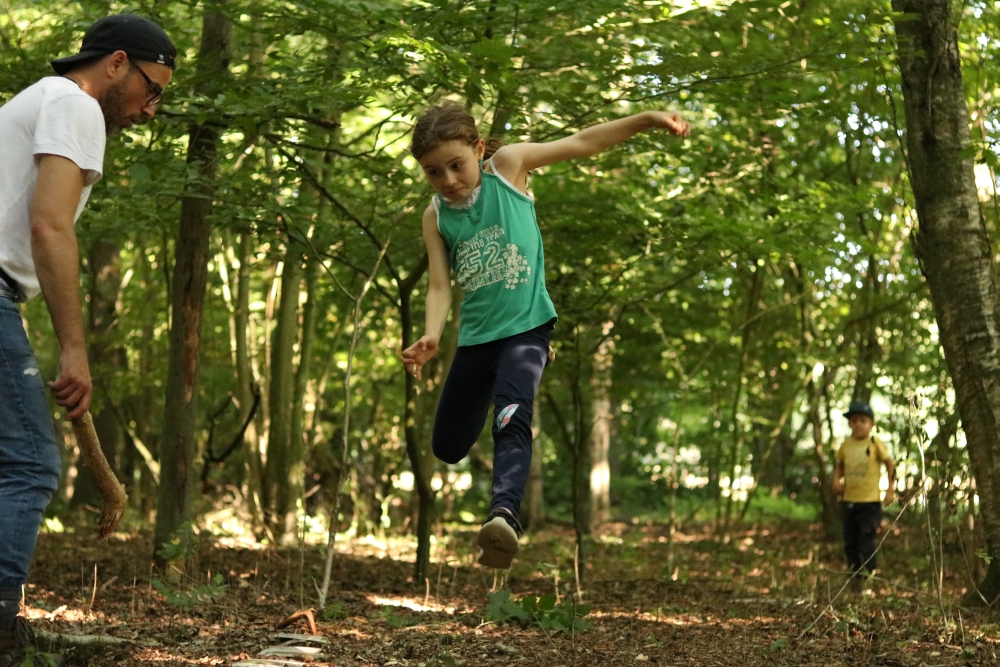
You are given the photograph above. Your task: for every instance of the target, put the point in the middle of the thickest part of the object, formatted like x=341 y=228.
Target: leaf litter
x=747 y=600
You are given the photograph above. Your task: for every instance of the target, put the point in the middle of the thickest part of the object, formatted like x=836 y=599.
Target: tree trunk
x=145 y=405
x=869 y=350
x=600 y=434
x=953 y=245
x=246 y=383
x=830 y=509
x=106 y=360
x=580 y=451
x=533 y=514
x=747 y=331
x=417 y=448
x=938 y=469
x=178 y=446
x=297 y=442
x=283 y=343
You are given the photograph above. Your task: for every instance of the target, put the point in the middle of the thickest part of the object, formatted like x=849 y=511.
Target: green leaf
x=496 y=50
x=139 y=172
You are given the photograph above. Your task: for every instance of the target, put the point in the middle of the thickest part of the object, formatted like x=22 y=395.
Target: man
x=51 y=155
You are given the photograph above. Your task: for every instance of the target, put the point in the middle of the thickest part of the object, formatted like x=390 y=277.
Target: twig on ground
x=302 y=613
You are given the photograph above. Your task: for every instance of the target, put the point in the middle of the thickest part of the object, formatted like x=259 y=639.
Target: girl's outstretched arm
x=438 y=297
x=514 y=160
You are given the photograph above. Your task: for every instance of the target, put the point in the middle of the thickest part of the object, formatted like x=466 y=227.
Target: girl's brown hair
x=448 y=121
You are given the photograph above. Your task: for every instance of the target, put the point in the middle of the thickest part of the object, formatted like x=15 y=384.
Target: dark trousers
x=862 y=523
x=505 y=372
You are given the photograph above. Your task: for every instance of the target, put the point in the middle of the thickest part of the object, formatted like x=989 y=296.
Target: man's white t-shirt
x=50 y=117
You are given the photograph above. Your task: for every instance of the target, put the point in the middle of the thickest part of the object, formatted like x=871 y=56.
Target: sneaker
x=498 y=539
x=19 y=648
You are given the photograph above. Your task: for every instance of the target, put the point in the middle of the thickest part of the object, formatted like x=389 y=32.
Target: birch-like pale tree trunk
x=600 y=434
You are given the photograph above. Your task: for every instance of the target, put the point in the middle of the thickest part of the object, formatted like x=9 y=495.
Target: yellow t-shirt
x=862 y=469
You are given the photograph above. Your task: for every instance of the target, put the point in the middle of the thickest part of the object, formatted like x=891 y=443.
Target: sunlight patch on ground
x=409 y=603
x=162 y=656
x=669 y=619
x=62 y=613
x=679 y=538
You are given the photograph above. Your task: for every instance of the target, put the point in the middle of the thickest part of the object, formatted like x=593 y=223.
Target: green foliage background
x=750 y=279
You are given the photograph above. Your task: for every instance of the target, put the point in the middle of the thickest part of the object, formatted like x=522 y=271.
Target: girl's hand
x=672 y=122
x=418 y=354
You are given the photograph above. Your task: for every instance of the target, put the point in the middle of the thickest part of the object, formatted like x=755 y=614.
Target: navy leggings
x=506 y=372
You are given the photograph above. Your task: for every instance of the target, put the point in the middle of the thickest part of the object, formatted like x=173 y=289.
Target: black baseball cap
x=136 y=35
x=860 y=408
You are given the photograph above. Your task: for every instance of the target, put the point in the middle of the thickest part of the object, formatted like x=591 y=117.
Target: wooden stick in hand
x=111 y=490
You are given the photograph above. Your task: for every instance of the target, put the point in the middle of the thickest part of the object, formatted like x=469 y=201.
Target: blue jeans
x=30 y=463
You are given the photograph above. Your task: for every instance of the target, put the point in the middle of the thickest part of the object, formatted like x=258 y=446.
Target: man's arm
x=57 y=263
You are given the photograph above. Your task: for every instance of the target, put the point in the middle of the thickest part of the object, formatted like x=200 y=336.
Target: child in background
x=482 y=226
x=856 y=480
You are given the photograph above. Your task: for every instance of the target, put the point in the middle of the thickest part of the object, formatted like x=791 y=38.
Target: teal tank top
x=496 y=254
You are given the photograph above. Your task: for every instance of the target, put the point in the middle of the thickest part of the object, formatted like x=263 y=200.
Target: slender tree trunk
x=600 y=434
x=297 y=440
x=247 y=387
x=869 y=350
x=416 y=447
x=283 y=343
x=953 y=245
x=178 y=447
x=246 y=382
x=581 y=461
x=533 y=514
x=830 y=509
x=144 y=406
x=748 y=330
x=106 y=360
x=939 y=470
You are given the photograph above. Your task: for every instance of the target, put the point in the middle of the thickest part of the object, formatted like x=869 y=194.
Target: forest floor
x=770 y=595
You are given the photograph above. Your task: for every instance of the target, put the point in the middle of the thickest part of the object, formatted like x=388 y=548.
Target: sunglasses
x=155 y=91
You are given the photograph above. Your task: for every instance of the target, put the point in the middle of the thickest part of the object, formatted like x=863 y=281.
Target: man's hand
x=418 y=354
x=890 y=497
x=672 y=122
x=838 y=488
x=73 y=388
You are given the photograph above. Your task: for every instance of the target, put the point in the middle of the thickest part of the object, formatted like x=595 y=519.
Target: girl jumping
x=482 y=225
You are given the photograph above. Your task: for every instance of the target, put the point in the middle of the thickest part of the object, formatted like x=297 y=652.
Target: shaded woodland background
x=721 y=299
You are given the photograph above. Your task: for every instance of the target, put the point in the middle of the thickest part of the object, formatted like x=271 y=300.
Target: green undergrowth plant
x=177 y=552
x=334 y=611
x=177 y=596
x=542 y=611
